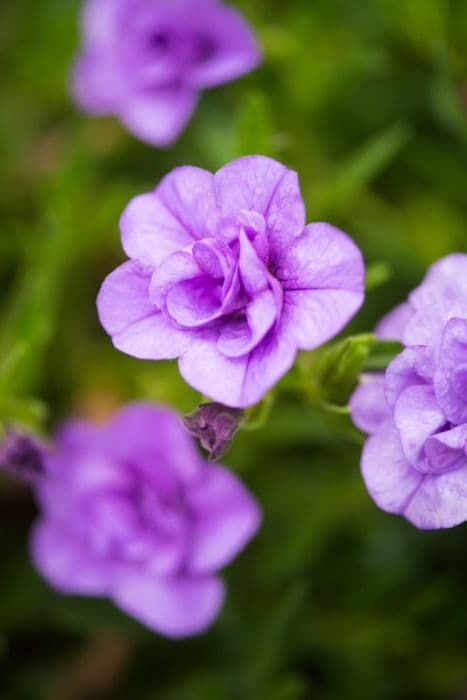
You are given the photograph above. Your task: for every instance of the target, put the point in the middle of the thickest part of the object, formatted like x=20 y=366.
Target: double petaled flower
x=415 y=462
x=225 y=275
x=129 y=510
x=146 y=61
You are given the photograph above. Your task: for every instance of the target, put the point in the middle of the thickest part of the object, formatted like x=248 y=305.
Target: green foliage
x=335 y=600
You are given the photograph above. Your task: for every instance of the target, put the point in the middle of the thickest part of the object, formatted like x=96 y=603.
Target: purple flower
x=225 y=275
x=146 y=61
x=22 y=456
x=415 y=462
x=130 y=511
x=214 y=425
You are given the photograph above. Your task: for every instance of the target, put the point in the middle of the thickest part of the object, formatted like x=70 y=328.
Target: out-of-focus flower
x=146 y=61
x=415 y=462
x=225 y=275
x=130 y=511
x=214 y=425
x=22 y=456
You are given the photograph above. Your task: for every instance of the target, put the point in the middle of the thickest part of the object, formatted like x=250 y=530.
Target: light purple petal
x=417 y=416
x=388 y=476
x=322 y=257
x=173 y=607
x=268 y=188
x=253 y=272
x=68 y=564
x=237 y=382
x=100 y=20
x=427 y=325
x=226 y=517
x=440 y=501
x=238 y=338
x=178 y=267
x=451 y=372
x=78 y=435
x=97 y=83
x=193 y=303
x=124 y=298
x=368 y=404
x=322 y=274
x=315 y=316
x=160 y=116
x=447 y=450
x=157 y=438
x=414 y=365
x=150 y=231
x=429 y=501
x=391 y=326
x=188 y=194
x=136 y=326
x=235 y=49
x=214 y=257
x=445 y=281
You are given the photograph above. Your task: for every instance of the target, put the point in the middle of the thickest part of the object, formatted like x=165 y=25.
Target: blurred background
x=334 y=600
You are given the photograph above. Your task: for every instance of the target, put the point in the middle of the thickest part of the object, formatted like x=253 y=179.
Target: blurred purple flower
x=22 y=456
x=146 y=61
x=415 y=462
x=225 y=275
x=130 y=510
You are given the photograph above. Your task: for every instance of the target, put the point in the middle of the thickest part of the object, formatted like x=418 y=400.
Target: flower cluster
x=225 y=275
x=146 y=61
x=129 y=510
x=415 y=462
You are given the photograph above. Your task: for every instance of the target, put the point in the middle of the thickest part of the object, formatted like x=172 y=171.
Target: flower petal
x=447 y=450
x=150 y=232
x=173 y=448
x=314 y=316
x=237 y=382
x=388 y=476
x=178 y=267
x=173 y=607
x=97 y=82
x=188 y=194
x=238 y=338
x=417 y=416
x=368 y=404
x=226 y=517
x=322 y=257
x=440 y=501
x=427 y=325
x=445 y=281
x=451 y=372
x=267 y=187
x=124 y=298
x=234 y=48
x=135 y=325
x=66 y=563
x=101 y=19
x=414 y=365
x=158 y=117
x=391 y=326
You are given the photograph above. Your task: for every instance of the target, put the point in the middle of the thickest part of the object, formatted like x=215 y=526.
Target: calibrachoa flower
x=415 y=462
x=129 y=510
x=214 y=425
x=225 y=275
x=146 y=61
x=22 y=456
